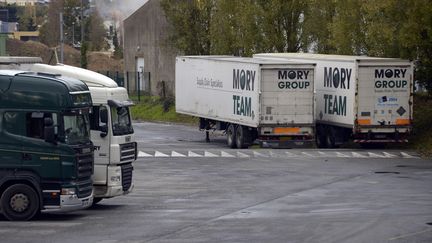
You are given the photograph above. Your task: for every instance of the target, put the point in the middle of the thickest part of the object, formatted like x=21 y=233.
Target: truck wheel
x=96 y=200
x=242 y=137
x=321 y=141
x=20 y=202
x=231 y=136
x=330 y=138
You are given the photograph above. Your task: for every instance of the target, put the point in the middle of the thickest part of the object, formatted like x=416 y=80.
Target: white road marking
x=389 y=155
x=324 y=154
x=256 y=154
x=309 y=155
x=278 y=154
x=289 y=154
x=408 y=156
x=159 y=154
x=374 y=155
x=227 y=155
x=242 y=155
x=357 y=155
x=341 y=155
x=176 y=154
x=142 y=154
x=192 y=154
x=208 y=154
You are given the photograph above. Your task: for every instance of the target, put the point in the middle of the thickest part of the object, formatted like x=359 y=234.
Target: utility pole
x=82 y=23
x=61 y=38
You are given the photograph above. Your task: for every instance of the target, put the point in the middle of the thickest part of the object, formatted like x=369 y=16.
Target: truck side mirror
x=103 y=113
x=104 y=131
x=49 y=130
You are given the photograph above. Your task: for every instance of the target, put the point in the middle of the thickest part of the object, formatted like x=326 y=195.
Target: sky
x=125 y=7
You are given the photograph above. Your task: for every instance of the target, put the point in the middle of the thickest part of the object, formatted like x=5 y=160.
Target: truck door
x=11 y=134
x=384 y=95
x=99 y=135
x=38 y=155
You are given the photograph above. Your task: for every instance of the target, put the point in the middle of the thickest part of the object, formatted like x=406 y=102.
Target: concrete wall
x=145 y=36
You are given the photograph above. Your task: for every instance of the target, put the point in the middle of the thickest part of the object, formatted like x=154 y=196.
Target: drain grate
x=387 y=172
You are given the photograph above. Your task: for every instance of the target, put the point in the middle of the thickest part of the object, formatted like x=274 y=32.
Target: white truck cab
x=111 y=130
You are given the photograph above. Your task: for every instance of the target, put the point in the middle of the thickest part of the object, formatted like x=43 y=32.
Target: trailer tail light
x=403 y=122
x=286 y=130
x=364 y=121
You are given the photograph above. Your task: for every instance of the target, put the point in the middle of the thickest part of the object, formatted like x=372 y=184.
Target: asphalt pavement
x=187 y=190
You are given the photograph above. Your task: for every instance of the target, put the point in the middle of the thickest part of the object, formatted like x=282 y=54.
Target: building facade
x=149 y=61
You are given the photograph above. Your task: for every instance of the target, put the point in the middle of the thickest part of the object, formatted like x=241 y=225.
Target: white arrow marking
x=357 y=155
x=341 y=155
x=226 y=155
x=175 y=154
x=208 y=154
x=256 y=154
x=374 y=155
x=289 y=154
x=242 y=155
x=159 y=154
x=408 y=156
x=309 y=155
x=323 y=154
x=192 y=154
x=389 y=155
x=142 y=154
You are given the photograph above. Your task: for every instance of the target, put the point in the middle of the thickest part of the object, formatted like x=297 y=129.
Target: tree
x=191 y=25
x=118 y=50
x=282 y=25
x=26 y=18
x=317 y=32
x=96 y=32
x=50 y=32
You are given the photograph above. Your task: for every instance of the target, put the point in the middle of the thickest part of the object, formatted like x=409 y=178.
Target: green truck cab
x=46 y=156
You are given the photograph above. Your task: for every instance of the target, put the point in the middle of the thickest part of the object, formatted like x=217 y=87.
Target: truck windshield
x=76 y=129
x=121 y=121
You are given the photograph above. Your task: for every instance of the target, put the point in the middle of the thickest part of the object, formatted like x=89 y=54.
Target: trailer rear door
x=287 y=96
x=384 y=95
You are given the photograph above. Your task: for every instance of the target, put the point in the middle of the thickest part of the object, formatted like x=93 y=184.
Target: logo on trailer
x=243 y=80
x=293 y=79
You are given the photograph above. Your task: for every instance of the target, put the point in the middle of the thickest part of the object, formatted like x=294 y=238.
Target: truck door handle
x=26 y=156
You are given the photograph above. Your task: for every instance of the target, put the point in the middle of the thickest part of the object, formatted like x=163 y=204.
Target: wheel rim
x=19 y=202
x=230 y=139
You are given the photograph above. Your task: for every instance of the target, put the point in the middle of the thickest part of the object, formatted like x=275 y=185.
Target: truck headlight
x=68 y=191
x=115 y=179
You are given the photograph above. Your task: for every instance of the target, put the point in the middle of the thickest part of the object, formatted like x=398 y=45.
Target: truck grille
x=85 y=166
x=127 y=152
x=126 y=171
x=84 y=173
x=85 y=188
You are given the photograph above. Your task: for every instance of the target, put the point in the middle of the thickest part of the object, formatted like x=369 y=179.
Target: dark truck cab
x=46 y=156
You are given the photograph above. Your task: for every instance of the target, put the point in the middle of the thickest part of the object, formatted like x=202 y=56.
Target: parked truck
x=248 y=98
x=111 y=130
x=365 y=98
x=46 y=155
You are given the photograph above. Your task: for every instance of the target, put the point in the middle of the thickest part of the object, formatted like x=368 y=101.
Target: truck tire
x=20 y=202
x=242 y=137
x=330 y=138
x=96 y=200
x=231 y=136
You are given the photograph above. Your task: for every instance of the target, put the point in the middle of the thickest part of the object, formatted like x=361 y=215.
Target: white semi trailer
x=111 y=130
x=249 y=98
x=365 y=98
